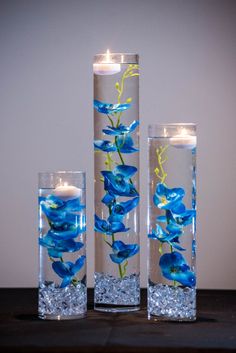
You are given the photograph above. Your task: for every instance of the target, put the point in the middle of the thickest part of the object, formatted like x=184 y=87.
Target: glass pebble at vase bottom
x=62 y=251
x=172 y=222
x=116 y=164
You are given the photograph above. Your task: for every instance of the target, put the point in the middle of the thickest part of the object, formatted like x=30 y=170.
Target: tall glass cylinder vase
x=172 y=222
x=116 y=163
x=62 y=251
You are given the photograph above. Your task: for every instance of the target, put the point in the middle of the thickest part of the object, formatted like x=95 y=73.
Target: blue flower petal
x=64 y=235
x=185 y=218
x=78 y=264
x=125 y=144
x=122 y=251
x=57 y=247
x=116 y=258
x=123 y=208
x=109 y=228
x=174 y=228
x=165 y=198
x=54 y=253
x=121 y=129
x=65 y=282
x=74 y=205
x=117 y=183
x=125 y=170
x=164 y=237
x=104 y=145
x=62 y=269
x=174 y=267
x=109 y=108
x=108 y=199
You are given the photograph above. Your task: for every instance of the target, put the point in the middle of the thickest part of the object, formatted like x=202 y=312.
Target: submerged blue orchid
x=178 y=217
x=117 y=182
x=175 y=268
x=109 y=227
x=61 y=212
x=71 y=233
x=109 y=108
x=122 y=252
x=122 y=208
x=105 y=146
x=121 y=129
x=57 y=247
x=181 y=216
x=167 y=199
x=67 y=270
x=125 y=144
x=108 y=199
x=164 y=237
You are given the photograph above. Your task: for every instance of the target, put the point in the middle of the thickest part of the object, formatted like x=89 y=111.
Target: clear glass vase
x=116 y=164
x=62 y=250
x=172 y=222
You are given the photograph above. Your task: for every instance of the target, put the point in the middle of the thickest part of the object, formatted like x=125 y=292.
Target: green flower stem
x=120 y=89
x=120 y=271
x=111 y=121
x=162 y=175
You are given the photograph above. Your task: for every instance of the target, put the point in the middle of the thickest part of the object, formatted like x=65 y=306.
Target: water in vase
x=116 y=164
x=172 y=223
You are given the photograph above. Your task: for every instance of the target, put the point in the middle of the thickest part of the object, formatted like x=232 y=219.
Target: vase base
x=116 y=308
x=165 y=318
x=61 y=317
x=171 y=303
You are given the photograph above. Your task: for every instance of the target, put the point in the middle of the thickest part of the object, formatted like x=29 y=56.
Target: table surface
x=22 y=331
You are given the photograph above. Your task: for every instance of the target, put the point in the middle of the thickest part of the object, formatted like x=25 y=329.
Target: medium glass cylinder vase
x=116 y=164
x=172 y=222
x=62 y=251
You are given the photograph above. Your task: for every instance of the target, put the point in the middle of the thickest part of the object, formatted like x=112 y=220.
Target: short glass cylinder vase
x=62 y=249
x=172 y=222
x=116 y=168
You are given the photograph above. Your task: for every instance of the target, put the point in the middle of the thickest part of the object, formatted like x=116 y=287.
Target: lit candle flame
x=183 y=132
x=108 y=56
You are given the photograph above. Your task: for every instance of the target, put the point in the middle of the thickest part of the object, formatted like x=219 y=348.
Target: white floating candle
x=67 y=192
x=183 y=140
x=106 y=67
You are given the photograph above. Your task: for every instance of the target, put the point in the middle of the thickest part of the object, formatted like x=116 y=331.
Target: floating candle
x=67 y=192
x=106 y=67
x=183 y=140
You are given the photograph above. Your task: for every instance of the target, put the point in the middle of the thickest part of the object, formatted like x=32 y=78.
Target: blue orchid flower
x=74 y=205
x=167 y=199
x=57 y=247
x=104 y=145
x=108 y=199
x=125 y=144
x=117 y=182
x=181 y=216
x=109 y=108
x=67 y=270
x=120 y=209
x=164 y=237
x=175 y=268
x=122 y=252
x=71 y=233
x=59 y=211
x=121 y=129
x=109 y=227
